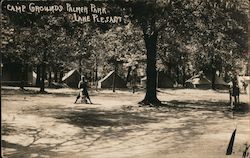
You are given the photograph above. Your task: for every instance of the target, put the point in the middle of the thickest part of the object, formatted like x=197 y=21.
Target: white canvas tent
x=198 y=81
x=107 y=81
x=202 y=81
x=72 y=78
x=220 y=83
x=163 y=81
x=33 y=78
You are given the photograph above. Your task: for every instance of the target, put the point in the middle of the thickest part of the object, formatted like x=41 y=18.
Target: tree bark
x=61 y=76
x=213 y=78
x=24 y=77
x=183 y=75
x=114 y=77
x=128 y=74
x=80 y=65
x=38 y=75
x=50 y=78
x=177 y=71
x=151 y=96
x=42 y=85
x=96 y=74
x=213 y=72
x=55 y=76
x=44 y=61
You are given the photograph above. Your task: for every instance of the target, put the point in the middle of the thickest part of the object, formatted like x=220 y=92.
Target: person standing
x=244 y=85
x=235 y=92
x=83 y=86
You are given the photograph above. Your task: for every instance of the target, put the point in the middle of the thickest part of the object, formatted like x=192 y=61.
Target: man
x=244 y=85
x=82 y=85
x=235 y=92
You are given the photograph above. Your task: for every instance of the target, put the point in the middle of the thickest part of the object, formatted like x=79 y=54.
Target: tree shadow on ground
x=7 y=129
x=18 y=150
x=100 y=126
x=35 y=92
x=32 y=92
x=96 y=118
x=97 y=124
x=240 y=109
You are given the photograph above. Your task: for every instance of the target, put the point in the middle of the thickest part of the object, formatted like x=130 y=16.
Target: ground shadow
x=97 y=118
x=27 y=151
x=222 y=106
x=108 y=125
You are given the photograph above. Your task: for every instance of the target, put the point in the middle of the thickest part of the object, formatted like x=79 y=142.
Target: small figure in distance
x=236 y=93
x=83 y=86
x=244 y=85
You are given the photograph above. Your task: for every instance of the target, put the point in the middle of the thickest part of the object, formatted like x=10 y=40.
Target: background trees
x=181 y=37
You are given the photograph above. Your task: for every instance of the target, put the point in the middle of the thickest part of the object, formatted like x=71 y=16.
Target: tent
x=107 y=81
x=220 y=83
x=198 y=81
x=13 y=75
x=163 y=81
x=32 y=78
x=143 y=81
x=72 y=78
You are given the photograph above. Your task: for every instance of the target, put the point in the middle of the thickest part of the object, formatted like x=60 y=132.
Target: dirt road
x=191 y=124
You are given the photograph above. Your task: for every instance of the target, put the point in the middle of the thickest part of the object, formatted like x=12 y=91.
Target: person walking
x=83 y=86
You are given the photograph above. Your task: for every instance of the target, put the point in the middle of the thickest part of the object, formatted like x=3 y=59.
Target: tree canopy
x=181 y=37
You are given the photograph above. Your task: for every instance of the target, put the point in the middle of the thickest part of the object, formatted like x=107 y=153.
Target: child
x=82 y=85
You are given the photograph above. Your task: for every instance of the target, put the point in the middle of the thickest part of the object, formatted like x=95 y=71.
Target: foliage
x=181 y=37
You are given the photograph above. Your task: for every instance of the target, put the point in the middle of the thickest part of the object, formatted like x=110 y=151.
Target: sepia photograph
x=125 y=79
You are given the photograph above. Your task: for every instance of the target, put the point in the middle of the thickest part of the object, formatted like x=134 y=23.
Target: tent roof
x=144 y=78
x=198 y=79
x=219 y=80
x=68 y=74
x=201 y=80
x=107 y=76
x=34 y=74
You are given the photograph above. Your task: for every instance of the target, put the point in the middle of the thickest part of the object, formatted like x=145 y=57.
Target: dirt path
x=194 y=123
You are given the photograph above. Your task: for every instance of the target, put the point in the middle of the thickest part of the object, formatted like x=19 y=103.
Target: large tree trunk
x=96 y=74
x=80 y=65
x=183 y=75
x=38 y=75
x=50 y=76
x=213 y=78
x=61 y=76
x=150 y=97
x=213 y=73
x=42 y=85
x=128 y=74
x=55 y=76
x=177 y=73
x=114 y=77
x=24 y=76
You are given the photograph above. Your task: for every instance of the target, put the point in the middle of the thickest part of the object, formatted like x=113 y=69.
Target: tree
x=117 y=48
x=194 y=30
x=152 y=17
x=221 y=36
